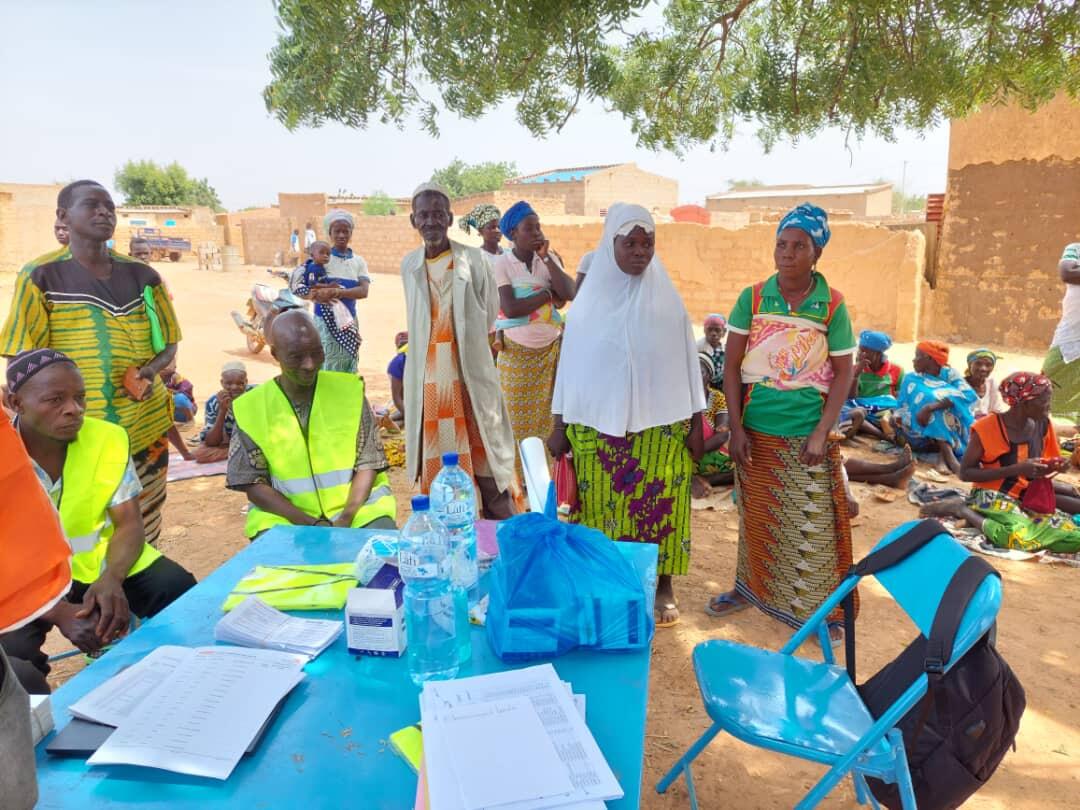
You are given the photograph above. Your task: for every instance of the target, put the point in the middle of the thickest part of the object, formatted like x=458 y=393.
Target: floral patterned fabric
x=637 y=488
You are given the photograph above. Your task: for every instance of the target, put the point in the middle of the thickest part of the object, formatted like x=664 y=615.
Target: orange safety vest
x=35 y=559
x=998 y=451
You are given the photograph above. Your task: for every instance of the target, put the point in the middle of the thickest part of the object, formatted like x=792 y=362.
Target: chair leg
x=862 y=791
x=903 y=775
x=684 y=763
x=830 y=780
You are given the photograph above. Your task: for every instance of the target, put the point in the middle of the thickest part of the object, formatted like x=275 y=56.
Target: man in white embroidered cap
x=453 y=400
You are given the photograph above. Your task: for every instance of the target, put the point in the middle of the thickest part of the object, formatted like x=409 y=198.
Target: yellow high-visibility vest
x=314 y=471
x=93 y=469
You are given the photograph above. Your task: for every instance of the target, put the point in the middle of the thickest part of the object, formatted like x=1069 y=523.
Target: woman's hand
x=813 y=449
x=558 y=444
x=740 y=447
x=924 y=414
x=1033 y=468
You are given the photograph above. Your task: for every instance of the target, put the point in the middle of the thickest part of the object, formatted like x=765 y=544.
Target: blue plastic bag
x=558 y=586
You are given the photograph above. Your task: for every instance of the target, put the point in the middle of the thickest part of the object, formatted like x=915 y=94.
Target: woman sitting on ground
x=979 y=376
x=936 y=407
x=873 y=391
x=1007 y=454
x=715 y=468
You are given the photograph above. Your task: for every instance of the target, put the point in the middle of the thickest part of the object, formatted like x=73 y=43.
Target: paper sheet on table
x=253 y=623
x=113 y=701
x=201 y=718
x=500 y=754
x=589 y=772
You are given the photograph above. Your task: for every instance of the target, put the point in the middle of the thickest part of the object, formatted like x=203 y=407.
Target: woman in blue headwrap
x=873 y=389
x=788 y=371
x=532 y=288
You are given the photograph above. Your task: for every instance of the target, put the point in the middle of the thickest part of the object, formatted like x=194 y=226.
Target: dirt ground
x=1037 y=632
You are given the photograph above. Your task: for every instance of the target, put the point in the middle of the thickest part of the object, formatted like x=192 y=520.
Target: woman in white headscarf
x=336 y=287
x=628 y=399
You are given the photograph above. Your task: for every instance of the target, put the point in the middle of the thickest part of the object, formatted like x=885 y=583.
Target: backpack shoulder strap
x=963 y=585
x=899 y=549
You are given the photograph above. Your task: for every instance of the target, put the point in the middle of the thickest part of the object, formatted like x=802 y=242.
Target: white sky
x=87 y=86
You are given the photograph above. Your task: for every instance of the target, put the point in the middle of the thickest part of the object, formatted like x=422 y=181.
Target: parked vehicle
x=162 y=246
x=263 y=305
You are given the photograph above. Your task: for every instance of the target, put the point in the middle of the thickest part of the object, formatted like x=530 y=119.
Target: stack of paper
x=513 y=741
x=253 y=623
x=189 y=710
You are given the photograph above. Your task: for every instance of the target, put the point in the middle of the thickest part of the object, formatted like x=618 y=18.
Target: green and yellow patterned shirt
x=103 y=326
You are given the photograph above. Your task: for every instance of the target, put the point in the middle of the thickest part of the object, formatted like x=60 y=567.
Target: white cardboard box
x=375 y=617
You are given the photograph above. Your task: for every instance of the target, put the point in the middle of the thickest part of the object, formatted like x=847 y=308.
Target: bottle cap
x=421 y=503
x=450 y=459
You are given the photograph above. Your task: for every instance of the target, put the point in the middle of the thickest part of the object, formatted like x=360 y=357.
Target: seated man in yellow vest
x=85 y=466
x=306 y=447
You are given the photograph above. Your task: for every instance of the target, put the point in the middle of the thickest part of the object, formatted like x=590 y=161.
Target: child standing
x=713 y=346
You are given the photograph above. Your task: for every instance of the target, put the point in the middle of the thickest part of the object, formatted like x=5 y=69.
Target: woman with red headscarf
x=1011 y=460
x=936 y=406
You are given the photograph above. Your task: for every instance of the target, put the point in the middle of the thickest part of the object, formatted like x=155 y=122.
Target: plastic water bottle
x=453 y=499
x=425 y=560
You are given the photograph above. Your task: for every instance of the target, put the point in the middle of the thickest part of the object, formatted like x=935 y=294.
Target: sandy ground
x=1037 y=628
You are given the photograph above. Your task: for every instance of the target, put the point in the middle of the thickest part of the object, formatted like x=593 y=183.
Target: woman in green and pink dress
x=788 y=371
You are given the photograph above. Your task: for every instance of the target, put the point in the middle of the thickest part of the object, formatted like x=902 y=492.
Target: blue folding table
x=329 y=747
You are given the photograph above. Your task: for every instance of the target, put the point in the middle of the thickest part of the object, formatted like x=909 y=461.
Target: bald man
x=306 y=448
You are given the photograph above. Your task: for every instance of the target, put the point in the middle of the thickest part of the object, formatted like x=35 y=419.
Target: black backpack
x=957 y=735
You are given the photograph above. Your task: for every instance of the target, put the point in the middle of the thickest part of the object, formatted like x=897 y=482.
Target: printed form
x=202 y=716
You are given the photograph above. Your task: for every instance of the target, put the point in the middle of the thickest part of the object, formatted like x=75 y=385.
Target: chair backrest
x=918 y=583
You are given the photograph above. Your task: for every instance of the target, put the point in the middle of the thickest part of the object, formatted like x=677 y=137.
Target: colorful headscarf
x=1022 y=386
x=479 y=217
x=935 y=350
x=25 y=365
x=513 y=216
x=337 y=215
x=809 y=218
x=875 y=341
x=714 y=319
x=979 y=354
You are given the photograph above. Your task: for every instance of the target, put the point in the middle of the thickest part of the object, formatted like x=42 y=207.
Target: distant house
x=590 y=190
x=872 y=200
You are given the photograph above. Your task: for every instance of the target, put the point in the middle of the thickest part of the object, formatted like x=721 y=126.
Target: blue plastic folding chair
x=813 y=710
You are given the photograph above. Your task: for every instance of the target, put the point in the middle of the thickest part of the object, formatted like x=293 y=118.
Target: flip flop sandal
x=665 y=607
x=730 y=605
x=885 y=494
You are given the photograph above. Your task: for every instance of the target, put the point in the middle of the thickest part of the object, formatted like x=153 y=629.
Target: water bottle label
x=411 y=567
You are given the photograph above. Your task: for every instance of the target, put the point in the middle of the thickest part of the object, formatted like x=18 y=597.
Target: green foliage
x=146 y=183
x=903 y=203
x=907 y=203
x=461 y=178
x=791 y=67
x=744 y=185
x=379 y=203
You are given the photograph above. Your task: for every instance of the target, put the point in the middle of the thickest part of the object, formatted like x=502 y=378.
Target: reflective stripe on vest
x=297 y=486
x=314 y=471
x=93 y=469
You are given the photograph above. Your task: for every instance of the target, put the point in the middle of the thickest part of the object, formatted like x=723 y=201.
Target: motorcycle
x=265 y=303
